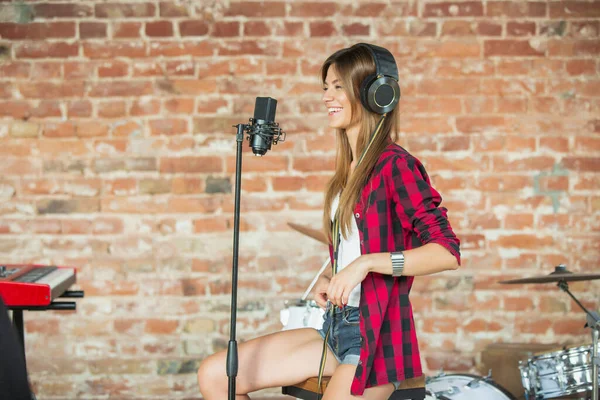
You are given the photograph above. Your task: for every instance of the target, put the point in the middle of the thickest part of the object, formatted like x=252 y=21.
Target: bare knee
x=212 y=375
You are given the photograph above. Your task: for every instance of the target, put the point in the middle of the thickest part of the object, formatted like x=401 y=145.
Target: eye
x=324 y=89
x=338 y=87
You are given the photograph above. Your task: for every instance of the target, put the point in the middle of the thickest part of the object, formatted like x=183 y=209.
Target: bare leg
x=339 y=386
x=279 y=359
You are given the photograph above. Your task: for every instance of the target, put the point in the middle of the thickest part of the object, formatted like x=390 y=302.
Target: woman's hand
x=319 y=291
x=342 y=283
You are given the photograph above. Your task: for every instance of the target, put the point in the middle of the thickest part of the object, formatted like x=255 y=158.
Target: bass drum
x=464 y=387
x=301 y=314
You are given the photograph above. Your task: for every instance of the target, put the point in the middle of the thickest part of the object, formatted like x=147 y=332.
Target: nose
x=327 y=96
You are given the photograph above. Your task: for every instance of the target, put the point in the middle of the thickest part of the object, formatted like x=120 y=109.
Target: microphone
x=263 y=130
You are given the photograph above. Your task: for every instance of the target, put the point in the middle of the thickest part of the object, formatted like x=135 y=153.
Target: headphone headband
x=384 y=60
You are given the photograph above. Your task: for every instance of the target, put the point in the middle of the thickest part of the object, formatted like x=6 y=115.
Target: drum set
x=569 y=372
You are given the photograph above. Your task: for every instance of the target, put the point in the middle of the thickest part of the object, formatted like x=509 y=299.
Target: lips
x=334 y=110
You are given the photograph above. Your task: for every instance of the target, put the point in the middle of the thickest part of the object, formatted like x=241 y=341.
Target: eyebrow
x=332 y=82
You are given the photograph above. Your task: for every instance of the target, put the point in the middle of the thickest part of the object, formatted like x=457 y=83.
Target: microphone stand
x=265 y=133
x=232 y=350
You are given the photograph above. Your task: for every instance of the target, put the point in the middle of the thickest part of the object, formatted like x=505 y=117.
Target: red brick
x=178 y=49
x=257 y=28
x=247 y=47
x=489 y=29
x=581 y=67
x=193 y=28
x=479 y=124
x=159 y=29
x=144 y=107
x=78 y=70
x=120 y=89
x=356 y=29
x=582 y=164
x=15 y=109
x=46 y=50
x=574 y=9
x=179 y=105
x=520 y=28
x=584 y=29
x=79 y=108
x=58 y=10
x=127 y=29
x=516 y=9
x=46 y=70
x=508 y=183
x=510 y=48
x=170 y=126
x=322 y=28
x=46 y=109
x=98 y=50
x=458 y=28
x=313 y=9
x=187 y=185
x=255 y=9
x=37 y=30
x=112 y=109
x=113 y=69
x=466 y=9
x=372 y=9
x=170 y=9
x=210 y=106
x=290 y=29
x=92 y=30
x=15 y=69
x=123 y=10
x=191 y=164
x=47 y=90
x=226 y=29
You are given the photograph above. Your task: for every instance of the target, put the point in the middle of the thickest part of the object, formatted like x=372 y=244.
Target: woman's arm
x=427 y=259
x=424 y=260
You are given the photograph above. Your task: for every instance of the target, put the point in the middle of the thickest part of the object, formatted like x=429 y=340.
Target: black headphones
x=379 y=92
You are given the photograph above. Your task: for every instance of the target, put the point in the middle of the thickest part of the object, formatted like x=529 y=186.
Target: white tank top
x=348 y=251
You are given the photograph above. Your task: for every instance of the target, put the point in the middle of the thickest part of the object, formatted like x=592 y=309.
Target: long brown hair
x=352 y=65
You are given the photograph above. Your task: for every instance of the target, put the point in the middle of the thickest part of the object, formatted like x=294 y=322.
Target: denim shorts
x=344 y=338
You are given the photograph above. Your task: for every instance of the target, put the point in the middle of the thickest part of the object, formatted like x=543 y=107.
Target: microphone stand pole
x=232 y=350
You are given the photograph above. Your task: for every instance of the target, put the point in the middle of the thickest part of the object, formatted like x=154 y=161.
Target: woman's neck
x=352 y=135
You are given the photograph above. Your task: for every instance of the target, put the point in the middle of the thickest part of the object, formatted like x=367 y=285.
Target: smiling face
x=338 y=105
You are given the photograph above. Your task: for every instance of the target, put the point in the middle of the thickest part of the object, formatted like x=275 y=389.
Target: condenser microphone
x=263 y=130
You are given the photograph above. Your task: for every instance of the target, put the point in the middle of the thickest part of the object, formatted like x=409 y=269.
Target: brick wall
x=118 y=156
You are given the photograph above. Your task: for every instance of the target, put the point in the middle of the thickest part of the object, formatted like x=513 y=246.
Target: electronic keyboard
x=34 y=285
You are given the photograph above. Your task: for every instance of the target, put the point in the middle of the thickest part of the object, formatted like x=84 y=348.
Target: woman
x=386 y=228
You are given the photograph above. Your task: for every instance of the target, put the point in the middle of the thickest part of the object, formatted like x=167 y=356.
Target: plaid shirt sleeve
x=417 y=205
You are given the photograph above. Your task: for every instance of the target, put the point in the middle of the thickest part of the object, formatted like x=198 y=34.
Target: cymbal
x=310 y=232
x=560 y=274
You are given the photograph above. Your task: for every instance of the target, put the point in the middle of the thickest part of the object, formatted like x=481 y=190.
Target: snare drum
x=301 y=314
x=559 y=373
x=464 y=387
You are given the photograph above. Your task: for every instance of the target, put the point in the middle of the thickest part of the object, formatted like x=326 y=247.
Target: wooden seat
x=410 y=389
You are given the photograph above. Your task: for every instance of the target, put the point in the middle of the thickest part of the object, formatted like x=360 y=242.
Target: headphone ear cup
x=365 y=86
x=383 y=95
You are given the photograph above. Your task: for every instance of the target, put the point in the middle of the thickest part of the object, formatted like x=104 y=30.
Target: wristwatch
x=397 y=258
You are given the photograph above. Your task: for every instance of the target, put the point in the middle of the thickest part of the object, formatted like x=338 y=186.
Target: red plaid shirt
x=398 y=210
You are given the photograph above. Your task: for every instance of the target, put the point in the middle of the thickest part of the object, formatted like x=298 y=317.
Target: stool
x=410 y=389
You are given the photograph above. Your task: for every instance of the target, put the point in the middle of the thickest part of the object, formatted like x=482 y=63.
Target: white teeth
x=334 y=109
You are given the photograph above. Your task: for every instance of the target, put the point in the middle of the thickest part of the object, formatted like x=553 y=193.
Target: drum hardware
x=310 y=232
x=464 y=387
x=475 y=382
x=561 y=275
x=303 y=313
